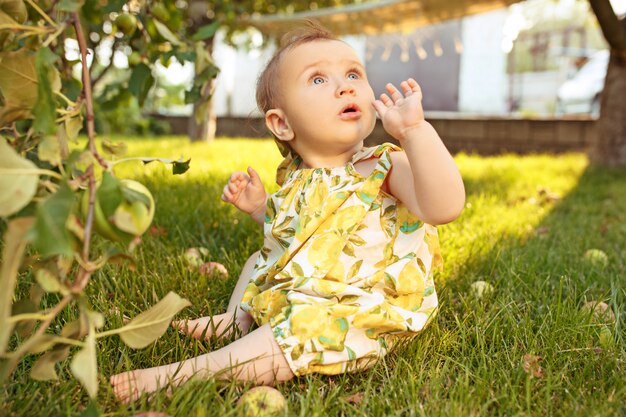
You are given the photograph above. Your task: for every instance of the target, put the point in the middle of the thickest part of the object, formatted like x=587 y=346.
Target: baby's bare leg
x=222 y=324
x=255 y=357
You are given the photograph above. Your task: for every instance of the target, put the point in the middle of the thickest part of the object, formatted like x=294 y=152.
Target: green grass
x=468 y=362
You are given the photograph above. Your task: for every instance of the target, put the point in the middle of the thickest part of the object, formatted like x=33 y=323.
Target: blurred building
x=508 y=61
x=459 y=65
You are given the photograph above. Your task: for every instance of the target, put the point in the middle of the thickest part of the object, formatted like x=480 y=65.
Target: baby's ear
x=276 y=121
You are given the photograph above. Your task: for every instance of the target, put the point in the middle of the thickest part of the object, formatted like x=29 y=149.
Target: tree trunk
x=610 y=147
x=205 y=130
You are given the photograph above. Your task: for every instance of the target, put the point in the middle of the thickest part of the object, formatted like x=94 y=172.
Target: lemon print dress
x=345 y=271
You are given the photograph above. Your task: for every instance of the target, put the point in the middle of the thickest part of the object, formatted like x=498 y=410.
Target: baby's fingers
x=406 y=88
x=236 y=187
x=415 y=87
x=227 y=195
x=237 y=177
x=254 y=177
x=380 y=107
x=394 y=93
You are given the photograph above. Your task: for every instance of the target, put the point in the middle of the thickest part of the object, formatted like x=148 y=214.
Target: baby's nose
x=345 y=89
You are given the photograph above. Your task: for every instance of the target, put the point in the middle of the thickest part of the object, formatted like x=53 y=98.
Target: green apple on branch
x=123 y=209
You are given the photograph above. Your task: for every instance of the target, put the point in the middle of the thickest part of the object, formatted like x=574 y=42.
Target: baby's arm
x=247 y=194
x=424 y=176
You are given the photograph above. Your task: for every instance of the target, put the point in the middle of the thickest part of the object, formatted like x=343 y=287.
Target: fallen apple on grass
x=481 y=288
x=262 y=402
x=214 y=268
x=194 y=257
x=600 y=311
x=596 y=257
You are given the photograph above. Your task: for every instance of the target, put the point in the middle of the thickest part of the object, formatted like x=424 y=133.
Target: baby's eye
x=318 y=80
x=353 y=76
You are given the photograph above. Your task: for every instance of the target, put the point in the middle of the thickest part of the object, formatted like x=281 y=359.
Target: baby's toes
x=121 y=384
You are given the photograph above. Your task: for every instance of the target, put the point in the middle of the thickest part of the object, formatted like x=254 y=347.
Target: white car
x=581 y=93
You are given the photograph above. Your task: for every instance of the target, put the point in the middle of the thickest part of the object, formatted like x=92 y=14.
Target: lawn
x=528 y=348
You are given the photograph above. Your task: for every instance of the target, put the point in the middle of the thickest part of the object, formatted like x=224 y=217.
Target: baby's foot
x=198 y=328
x=128 y=386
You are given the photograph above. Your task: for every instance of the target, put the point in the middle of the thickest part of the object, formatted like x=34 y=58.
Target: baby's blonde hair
x=267 y=88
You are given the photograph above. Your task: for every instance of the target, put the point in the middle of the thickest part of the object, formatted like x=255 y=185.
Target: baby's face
x=326 y=97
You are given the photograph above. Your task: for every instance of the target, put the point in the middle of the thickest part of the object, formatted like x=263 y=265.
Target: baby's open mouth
x=350 y=108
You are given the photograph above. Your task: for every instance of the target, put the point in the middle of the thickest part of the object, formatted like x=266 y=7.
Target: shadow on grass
x=479 y=355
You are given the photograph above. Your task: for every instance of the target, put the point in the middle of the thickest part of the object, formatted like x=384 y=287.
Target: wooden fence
x=475 y=134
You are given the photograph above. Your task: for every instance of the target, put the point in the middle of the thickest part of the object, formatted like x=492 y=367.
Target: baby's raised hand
x=245 y=192
x=400 y=113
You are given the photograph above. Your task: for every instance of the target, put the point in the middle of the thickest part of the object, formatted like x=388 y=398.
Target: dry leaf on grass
x=530 y=363
x=355 y=398
x=158 y=231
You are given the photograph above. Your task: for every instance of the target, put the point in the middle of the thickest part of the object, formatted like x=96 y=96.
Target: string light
x=419 y=50
x=437 y=48
x=458 y=45
x=387 y=52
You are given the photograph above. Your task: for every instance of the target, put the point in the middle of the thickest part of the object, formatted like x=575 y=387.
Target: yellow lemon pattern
x=346 y=270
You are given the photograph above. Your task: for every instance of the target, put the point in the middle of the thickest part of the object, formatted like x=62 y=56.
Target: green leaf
x=84 y=365
x=166 y=33
x=70 y=5
x=151 y=324
x=94 y=318
x=132 y=196
x=17 y=189
x=16 y=9
x=354 y=269
x=193 y=95
x=45 y=342
x=43 y=369
x=115 y=149
x=114 y=6
x=73 y=127
x=180 y=167
x=109 y=194
x=50 y=150
x=18 y=85
x=140 y=82
x=203 y=58
x=356 y=240
x=48 y=81
x=14 y=241
x=206 y=31
x=50 y=235
x=5 y=35
x=297 y=269
x=24 y=327
x=47 y=280
x=349 y=249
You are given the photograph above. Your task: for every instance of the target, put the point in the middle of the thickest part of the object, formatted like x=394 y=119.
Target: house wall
x=535 y=92
x=436 y=71
x=482 y=76
x=486 y=135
